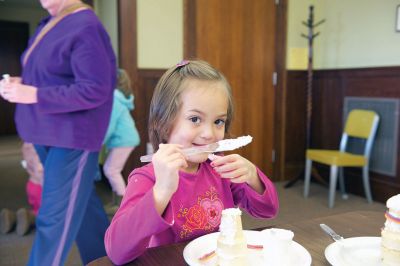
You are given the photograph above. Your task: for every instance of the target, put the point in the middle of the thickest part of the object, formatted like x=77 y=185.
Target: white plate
x=355 y=251
x=208 y=243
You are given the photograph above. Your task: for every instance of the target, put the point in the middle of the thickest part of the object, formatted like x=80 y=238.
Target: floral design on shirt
x=205 y=215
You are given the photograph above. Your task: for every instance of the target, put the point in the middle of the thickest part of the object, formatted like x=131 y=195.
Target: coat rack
x=310 y=38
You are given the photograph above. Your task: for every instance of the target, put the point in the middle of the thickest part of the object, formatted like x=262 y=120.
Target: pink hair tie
x=183 y=63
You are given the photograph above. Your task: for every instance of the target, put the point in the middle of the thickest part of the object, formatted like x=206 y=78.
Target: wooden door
x=238 y=37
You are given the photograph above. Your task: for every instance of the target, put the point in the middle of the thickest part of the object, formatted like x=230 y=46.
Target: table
x=307 y=233
x=349 y=224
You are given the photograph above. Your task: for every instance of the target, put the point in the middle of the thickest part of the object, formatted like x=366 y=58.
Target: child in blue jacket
x=122 y=136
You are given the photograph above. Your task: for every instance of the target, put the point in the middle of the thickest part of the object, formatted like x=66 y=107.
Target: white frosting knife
x=222 y=145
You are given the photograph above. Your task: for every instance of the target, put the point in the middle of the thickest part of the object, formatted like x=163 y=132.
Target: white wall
x=356 y=34
x=160 y=33
x=107 y=11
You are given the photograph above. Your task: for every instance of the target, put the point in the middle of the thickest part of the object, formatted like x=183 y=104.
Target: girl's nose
x=208 y=132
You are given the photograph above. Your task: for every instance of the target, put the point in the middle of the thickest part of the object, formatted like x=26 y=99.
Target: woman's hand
x=11 y=80
x=238 y=170
x=14 y=91
x=166 y=162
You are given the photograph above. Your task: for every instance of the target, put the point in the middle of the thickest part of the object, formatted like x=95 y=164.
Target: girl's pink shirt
x=194 y=210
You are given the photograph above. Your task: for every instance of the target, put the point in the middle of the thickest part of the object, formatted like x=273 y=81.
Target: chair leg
x=341 y=183
x=332 y=185
x=307 y=177
x=366 y=183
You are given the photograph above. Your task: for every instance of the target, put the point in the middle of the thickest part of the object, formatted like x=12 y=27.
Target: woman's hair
x=124 y=82
x=166 y=101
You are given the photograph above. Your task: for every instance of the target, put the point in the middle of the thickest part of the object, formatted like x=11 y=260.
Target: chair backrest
x=360 y=124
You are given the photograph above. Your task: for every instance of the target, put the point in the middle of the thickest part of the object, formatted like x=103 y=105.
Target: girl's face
x=201 y=117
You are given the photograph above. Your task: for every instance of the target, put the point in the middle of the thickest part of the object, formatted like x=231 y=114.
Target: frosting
x=392 y=222
x=392 y=216
x=390 y=245
x=232 y=144
x=233 y=211
x=229 y=226
x=392 y=226
x=393 y=203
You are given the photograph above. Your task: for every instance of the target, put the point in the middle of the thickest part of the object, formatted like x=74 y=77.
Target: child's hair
x=124 y=82
x=166 y=102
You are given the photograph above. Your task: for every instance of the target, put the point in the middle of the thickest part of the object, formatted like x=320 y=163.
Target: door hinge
x=273 y=156
x=274 y=79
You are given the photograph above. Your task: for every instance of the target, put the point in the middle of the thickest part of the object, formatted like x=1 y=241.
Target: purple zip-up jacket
x=194 y=210
x=74 y=69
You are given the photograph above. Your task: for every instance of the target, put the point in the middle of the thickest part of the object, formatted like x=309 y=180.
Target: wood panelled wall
x=330 y=87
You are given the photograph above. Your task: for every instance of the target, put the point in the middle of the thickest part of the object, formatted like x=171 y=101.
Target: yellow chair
x=360 y=124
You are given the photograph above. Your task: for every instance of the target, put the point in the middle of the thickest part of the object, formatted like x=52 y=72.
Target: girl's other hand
x=238 y=170
x=167 y=161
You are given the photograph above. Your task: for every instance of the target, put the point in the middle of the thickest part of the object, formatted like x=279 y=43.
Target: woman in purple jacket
x=64 y=100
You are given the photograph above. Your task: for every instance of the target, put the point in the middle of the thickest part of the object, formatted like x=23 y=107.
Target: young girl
x=121 y=137
x=176 y=197
x=24 y=219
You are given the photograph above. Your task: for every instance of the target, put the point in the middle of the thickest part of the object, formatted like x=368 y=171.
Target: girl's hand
x=167 y=161
x=238 y=170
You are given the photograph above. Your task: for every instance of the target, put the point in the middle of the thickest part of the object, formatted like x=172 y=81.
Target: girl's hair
x=124 y=82
x=166 y=101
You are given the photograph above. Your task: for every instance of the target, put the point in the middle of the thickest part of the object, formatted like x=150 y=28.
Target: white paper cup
x=277 y=245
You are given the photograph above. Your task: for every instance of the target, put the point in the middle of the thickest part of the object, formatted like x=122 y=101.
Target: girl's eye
x=220 y=122
x=195 y=119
